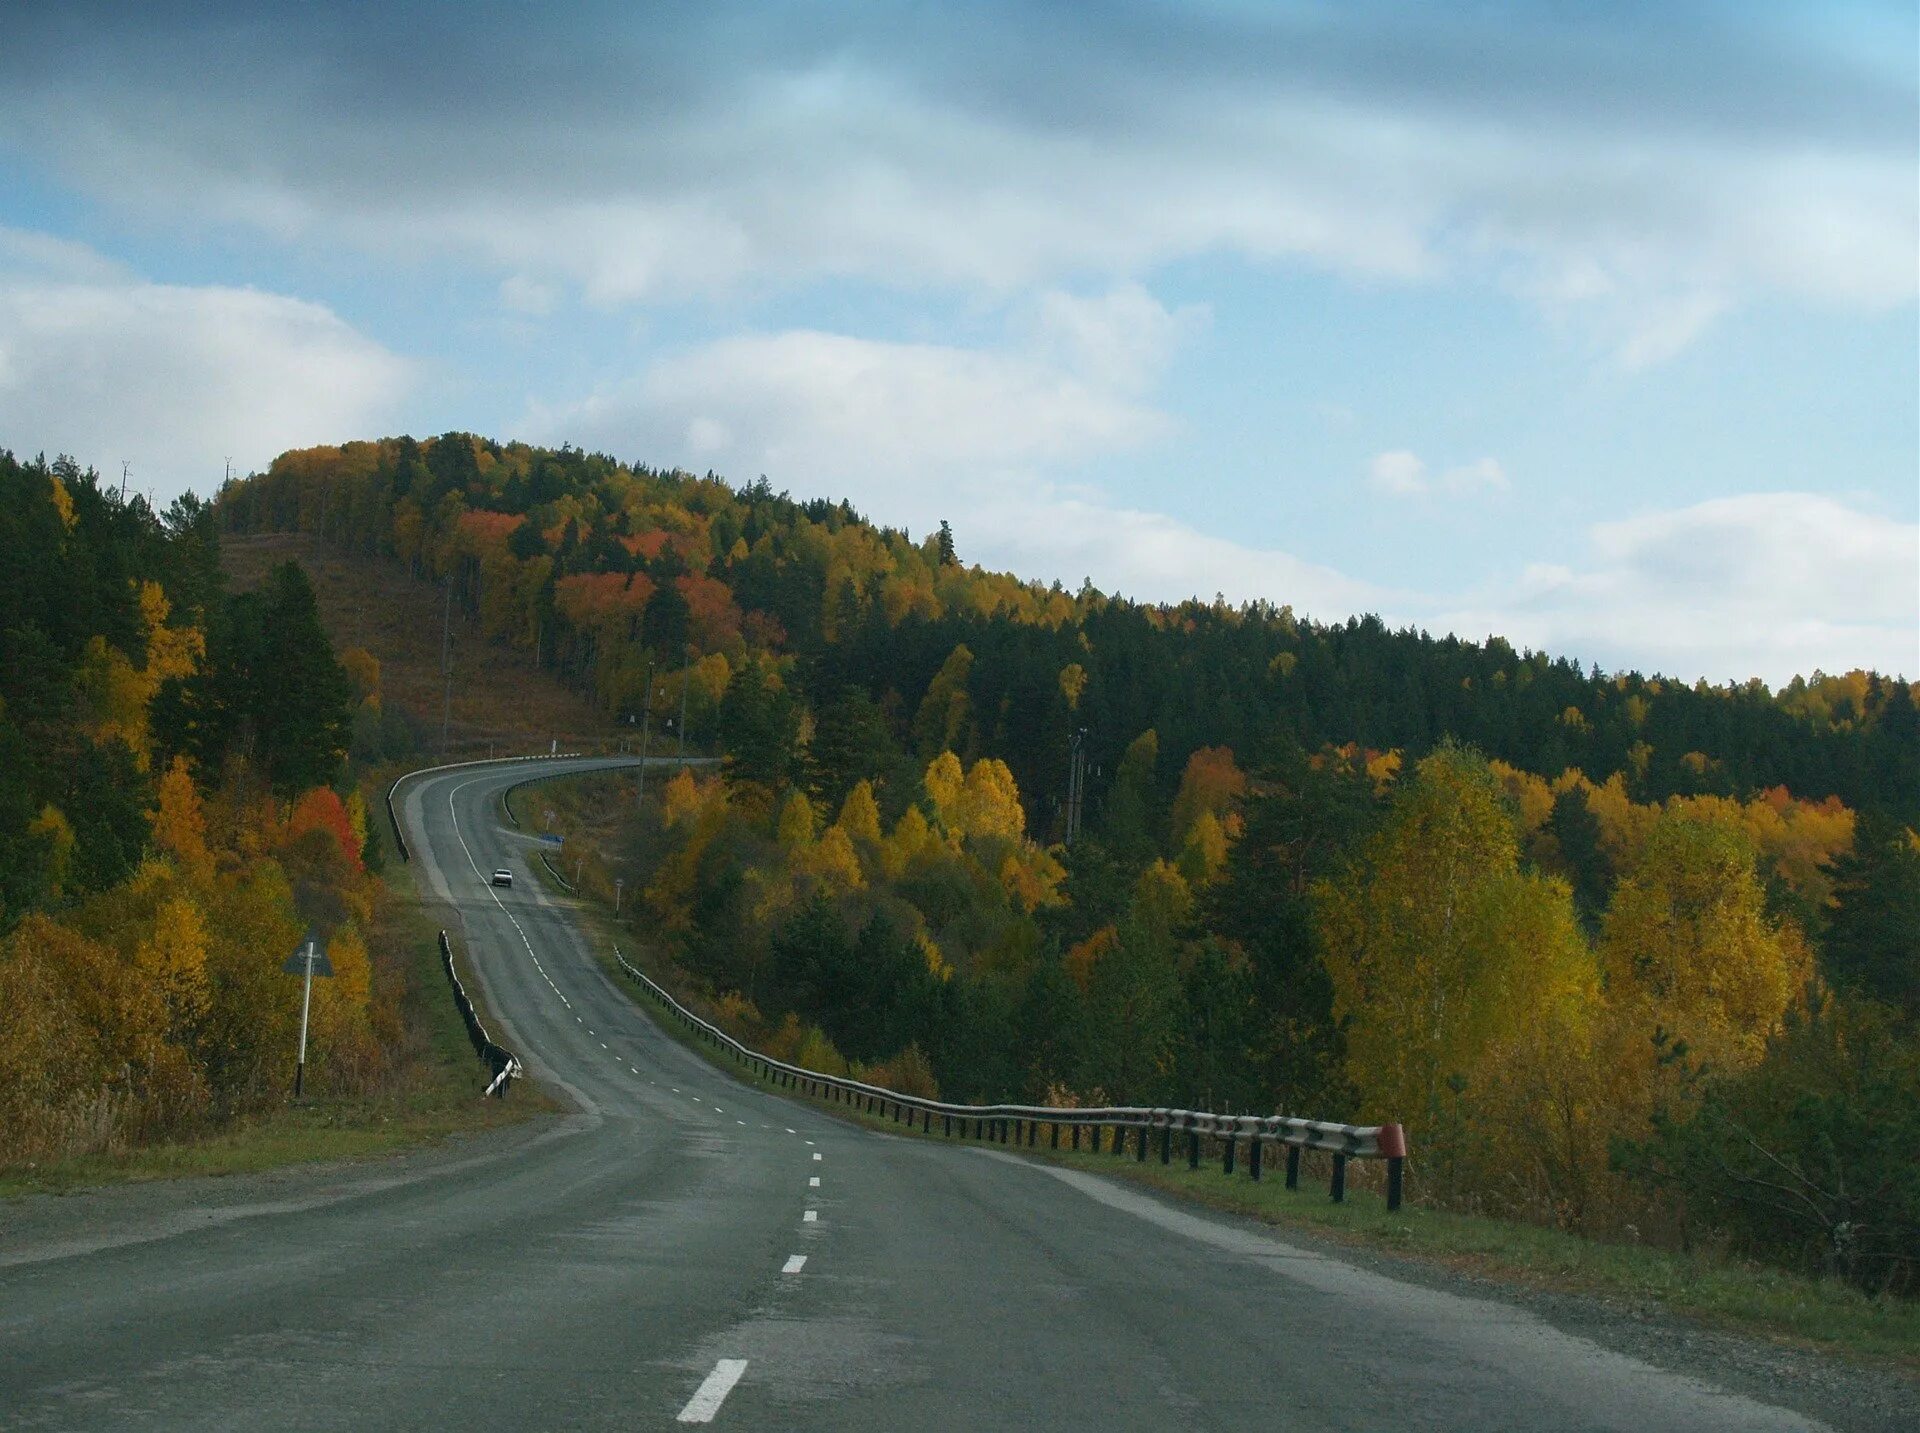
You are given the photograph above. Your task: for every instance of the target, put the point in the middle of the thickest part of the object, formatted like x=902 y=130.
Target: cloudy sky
x=1592 y=326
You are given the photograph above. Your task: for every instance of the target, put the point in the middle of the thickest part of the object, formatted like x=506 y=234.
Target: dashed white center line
x=812 y=1216
x=809 y=1141
x=813 y=1182
x=708 y=1397
x=790 y=1131
x=603 y=1044
x=795 y=1263
x=740 y=1122
x=816 y=1154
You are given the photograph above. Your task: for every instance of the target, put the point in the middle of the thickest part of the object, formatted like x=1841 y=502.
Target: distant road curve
x=687 y=1249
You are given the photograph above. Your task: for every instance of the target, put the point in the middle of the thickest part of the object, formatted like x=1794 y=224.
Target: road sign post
x=309 y=959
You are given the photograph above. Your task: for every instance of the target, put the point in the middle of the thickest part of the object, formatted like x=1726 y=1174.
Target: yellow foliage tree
x=179 y=826
x=990 y=802
x=1204 y=855
x=173 y=956
x=1687 y=947
x=833 y=862
x=1441 y=952
x=679 y=799
x=911 y=839
x=795 y=828
x=860 y=814
x=1073 y=681
x=945 y=783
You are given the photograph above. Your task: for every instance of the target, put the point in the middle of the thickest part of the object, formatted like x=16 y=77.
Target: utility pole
x=124 y=465
x=1076 y=782
x=646 y=722
x=446 y=666
x=686 y=680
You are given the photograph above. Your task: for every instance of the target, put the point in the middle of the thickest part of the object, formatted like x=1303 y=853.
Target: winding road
x=685 y=1248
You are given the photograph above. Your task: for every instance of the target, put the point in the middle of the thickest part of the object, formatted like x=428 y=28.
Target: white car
x=503 y=877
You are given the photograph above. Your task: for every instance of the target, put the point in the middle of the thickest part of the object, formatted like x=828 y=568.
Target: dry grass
x=500 y=696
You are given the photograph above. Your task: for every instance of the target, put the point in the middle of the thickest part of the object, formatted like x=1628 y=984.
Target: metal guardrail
x=393 y=814
x=501 y=1062
x=1021 y=1124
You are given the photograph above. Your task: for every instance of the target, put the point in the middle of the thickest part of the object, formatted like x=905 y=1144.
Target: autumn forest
x=1623 y=954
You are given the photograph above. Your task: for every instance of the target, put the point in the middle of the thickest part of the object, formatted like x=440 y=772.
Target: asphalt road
x=687 y=1246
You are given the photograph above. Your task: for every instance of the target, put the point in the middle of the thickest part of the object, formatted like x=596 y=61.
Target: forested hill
x=876 y=637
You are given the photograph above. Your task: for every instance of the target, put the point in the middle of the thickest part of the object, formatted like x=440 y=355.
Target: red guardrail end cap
x=1393 y=1142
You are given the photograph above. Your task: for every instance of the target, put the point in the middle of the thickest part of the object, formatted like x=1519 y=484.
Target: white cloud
x=1122 y=339
x=1403 y=473
x=887 y=424
x=173 y=379
x=1399 y=471
x=1763 y=584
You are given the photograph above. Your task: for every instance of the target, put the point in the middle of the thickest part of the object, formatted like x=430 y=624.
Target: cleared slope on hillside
x=500 y=697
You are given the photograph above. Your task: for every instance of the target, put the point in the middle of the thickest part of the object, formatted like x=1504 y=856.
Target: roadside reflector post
x=1339 y=1179
x=1393 y=1144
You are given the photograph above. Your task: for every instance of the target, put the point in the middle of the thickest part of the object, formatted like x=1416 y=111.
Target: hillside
x=595 y=569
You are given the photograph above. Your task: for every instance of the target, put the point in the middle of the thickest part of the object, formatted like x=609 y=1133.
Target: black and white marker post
x=310 y=959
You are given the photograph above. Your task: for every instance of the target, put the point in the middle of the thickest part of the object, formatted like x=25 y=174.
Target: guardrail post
x=1393 y=1144
x=1253 y=1157
x=1193 y=1149
x=1075 y=1132
x=1056 y=1134
x=1339 y=1178
x=1226 y=1160
x=1293 y=1166
x=1141 y=1155
x=1166 y=1142
x=946 y=1125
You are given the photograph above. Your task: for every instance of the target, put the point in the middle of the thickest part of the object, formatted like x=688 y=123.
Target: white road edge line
x=795 y=1263
x=812 y=1216
x=816 y=1154
x=708 y=1397
x=814 y=1182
